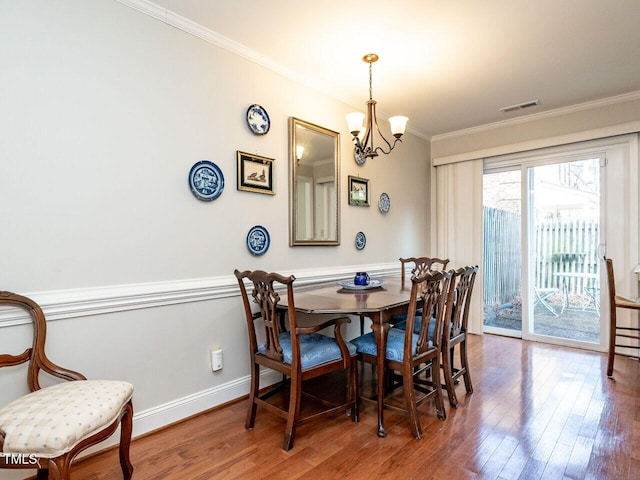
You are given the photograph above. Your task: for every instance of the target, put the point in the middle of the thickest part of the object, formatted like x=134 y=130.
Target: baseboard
x=160 y=416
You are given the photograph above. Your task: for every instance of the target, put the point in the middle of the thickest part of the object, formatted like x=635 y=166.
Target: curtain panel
x=459 y=237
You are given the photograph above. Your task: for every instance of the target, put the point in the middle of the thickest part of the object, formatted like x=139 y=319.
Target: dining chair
x=616 y=331
x=420 y=264
x=35 y=429
x=410 y=356
x=455 y=332
x=300 y=354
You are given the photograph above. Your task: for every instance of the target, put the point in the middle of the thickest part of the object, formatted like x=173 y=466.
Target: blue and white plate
x=258 y=240
x=385 y=203
x=258 y=119
x=349 y=285
x=360 y=159
x=361 y=240
x=206 y=180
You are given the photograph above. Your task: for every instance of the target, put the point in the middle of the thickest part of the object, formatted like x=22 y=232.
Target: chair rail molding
x=81 y=302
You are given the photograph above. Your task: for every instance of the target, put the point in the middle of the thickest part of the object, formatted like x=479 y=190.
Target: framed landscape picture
x=358 y=191
x=255 y=173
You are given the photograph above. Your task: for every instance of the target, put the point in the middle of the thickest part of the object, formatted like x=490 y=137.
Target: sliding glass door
x=545 y=236
x=564 y=236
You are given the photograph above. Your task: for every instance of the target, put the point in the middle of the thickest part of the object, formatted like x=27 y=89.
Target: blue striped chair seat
x=315 y=349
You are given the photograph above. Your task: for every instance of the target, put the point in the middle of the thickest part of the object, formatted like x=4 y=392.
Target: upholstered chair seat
x=52 y=421
x=315 y=349
x=395 y=344
x=416 y=326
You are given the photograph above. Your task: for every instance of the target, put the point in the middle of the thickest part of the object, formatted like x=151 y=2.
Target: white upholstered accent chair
x=48 y=427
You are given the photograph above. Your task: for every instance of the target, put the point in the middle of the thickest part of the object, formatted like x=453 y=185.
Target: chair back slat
x=267 y=300
x=430 y=290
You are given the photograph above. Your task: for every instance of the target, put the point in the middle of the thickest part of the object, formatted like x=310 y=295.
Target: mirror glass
x=314 y=190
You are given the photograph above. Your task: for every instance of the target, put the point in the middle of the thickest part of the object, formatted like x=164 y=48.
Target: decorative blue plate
x=206 y=180
x=360 y=159
x=349 y=285
x=385 y=203
x=258 y=119
x=258 y=240
x=361 y=240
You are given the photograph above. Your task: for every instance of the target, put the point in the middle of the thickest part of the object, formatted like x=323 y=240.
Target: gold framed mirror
x=314 y=184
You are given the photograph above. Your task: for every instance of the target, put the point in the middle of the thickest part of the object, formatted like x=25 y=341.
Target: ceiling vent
x=520 y=106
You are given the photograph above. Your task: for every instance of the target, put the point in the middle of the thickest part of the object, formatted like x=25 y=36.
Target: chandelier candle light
x=363 y=136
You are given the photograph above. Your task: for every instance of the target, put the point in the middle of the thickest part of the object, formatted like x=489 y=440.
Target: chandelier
x=361 y=127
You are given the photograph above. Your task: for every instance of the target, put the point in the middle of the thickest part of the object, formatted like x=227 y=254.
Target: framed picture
x=255 y=173
x=358 y=191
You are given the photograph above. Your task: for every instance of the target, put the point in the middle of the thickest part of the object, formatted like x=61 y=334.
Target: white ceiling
x=446 y=64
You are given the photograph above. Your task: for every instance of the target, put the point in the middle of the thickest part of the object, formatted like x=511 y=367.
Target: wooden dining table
x=378 y=304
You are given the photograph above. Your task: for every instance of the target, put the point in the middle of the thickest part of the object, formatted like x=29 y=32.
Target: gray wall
x=104 y=111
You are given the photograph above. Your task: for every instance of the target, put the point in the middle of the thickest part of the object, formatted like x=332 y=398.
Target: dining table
x=378 y=304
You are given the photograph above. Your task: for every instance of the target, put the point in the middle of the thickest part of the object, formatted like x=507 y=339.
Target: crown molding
x=627 y=97
x=173 y=19
x=581 y=136
x=165 y=15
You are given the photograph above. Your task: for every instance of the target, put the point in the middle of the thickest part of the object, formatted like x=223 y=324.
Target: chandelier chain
x=370 y=81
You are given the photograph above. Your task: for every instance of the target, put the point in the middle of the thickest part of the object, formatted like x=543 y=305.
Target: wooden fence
x=502 y=256
x=561 y=246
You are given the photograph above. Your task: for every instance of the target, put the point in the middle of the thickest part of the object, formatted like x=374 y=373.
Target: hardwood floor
x=537 y=412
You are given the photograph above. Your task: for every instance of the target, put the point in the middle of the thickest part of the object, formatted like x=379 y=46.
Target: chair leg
x=612 y=340
x=610 y=359
x=253 y=391
x=126 y=429
x=464 y=360
x=410 y=399
x=442 y=414
x=447 y=367
x=59 y=468
x=453 y=358
x=353 y=391
x=294 y=413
